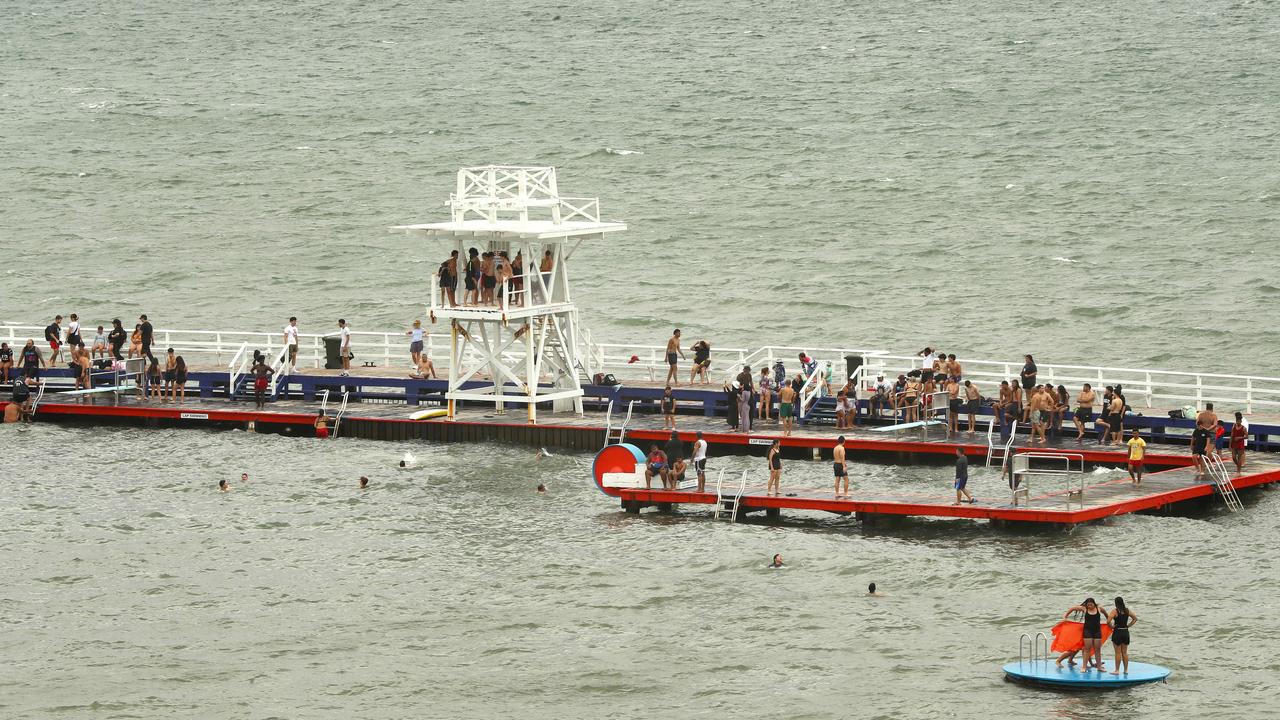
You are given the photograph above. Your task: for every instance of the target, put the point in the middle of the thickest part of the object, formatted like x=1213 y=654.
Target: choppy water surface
x=1089 y=184
x=133 y=589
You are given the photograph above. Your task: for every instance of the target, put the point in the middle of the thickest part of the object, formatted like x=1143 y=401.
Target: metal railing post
x=1248 y=395
x=1150 y=390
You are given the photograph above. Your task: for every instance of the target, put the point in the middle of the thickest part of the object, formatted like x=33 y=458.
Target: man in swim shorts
x=786 y=407
x=972 y=399
x=700 y=461
x=962 y=477
x=838 y=466
x=673 y=349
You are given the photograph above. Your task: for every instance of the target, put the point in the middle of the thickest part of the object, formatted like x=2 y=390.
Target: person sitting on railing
x=116 y=338
x=6 y=362
x=701 y=361
x=940 y=366
x=1084 y=410
x=928 y=386
x=899 y=387
x=808 y=364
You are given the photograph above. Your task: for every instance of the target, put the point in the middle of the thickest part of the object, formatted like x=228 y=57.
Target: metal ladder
x=35 y=403
x=999 y=452
x=726 y=504
x=616 y=435
x=342 y=410
x=1033 y=646
x=1222 y=480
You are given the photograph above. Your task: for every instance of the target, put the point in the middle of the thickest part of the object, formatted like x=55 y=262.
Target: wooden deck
x=1049 y=501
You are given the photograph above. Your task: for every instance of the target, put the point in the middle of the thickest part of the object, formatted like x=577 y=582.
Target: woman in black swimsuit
x=775 y=469
x=1092 y=632
x=1120 y=620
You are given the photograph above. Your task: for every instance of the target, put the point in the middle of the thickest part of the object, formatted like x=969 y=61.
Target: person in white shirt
x=700 y=461
x=344 y=350
x=415 y=346
x=291 y=342
x=884 y=391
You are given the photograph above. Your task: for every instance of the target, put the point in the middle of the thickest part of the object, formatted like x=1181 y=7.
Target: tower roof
x=505 y=202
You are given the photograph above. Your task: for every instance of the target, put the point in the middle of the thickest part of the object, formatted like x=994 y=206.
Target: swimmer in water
x=777 y=561
x=542 y=489
x=223 y=486
x=364 y=482
x=871 y=591
x=244 y=477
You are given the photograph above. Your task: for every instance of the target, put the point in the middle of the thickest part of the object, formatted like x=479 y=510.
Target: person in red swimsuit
x=322 y=425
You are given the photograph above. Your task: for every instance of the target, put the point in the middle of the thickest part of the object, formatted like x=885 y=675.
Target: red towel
x=1068 y=636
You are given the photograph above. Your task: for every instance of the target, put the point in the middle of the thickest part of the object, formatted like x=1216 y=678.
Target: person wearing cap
x=883 y=395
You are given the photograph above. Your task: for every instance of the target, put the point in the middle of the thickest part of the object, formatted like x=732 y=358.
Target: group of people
x=487 y=277
x=1097 y=623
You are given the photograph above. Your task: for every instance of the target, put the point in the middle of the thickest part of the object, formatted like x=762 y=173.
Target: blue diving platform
x=1047 y=673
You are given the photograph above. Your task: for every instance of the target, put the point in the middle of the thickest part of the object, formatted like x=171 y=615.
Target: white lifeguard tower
x=528 y=341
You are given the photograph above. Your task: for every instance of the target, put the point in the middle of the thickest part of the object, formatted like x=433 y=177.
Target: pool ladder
x=1222 y=480
x=1033 y=647
x=729 y=504
x=616 y=435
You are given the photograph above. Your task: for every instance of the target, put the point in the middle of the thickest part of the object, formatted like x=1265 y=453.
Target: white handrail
x=809 y=390
x=1143 y=385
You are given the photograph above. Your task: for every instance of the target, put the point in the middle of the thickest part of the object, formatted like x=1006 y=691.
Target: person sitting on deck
x=675 y=475
x=426 y=368
x=656 y=465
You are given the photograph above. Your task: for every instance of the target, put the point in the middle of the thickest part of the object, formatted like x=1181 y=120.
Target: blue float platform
x=1047 y=673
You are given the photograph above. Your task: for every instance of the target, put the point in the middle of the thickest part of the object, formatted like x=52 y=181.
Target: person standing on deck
x=765 y=386
x=291 y=343
x=744 y=399
x=962 y=477
x=839 y=468
x=261 y=372
x=148 y=333
x=668 y=409
x=53 y=335
x=471 y=279
x=116 y=338
x=786 y=407
x=954 y=404
x=73 y=332
x=1200 y=450
x=774 y=459
x=972 y=399
x=545 y=268
x=1117 y=418
x=415 y=344
x=700 y=461
x=674 y=451
x=1084 y=410
x=1137 y=453
x=953 y=368
x=344 y=347
x=1038 y=405
x=32 y=360
x=1207 y=418
x=1028 y=381
x=673 y=350
x=488 y=280
x=6 y=362
x=1239 y=437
